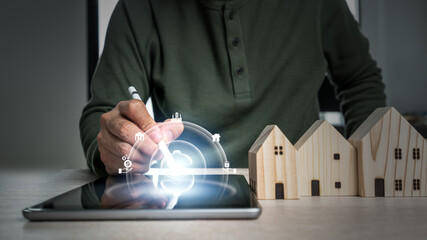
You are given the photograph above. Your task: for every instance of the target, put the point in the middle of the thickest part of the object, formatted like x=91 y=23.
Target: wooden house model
x=327 y=162
x=392 y=156
x=273 y=166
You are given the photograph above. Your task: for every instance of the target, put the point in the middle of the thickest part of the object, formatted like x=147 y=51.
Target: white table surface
x=307 y=218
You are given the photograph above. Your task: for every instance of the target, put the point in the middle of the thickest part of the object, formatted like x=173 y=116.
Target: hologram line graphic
x=168 y=161
x=162 y=145
x=172 y=183
x=207 y=136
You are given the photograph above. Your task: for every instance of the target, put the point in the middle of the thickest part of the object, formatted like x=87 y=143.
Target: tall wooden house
x=273 y=166
x=392 y=156
x=327 y=162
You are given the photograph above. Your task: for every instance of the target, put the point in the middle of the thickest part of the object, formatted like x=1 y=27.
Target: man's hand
x=117 y=136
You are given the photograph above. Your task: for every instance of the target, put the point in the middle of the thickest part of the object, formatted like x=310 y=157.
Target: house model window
x=416 y=153
x=398 y=184
x=278 y=150
x=336 y=156
x=398 y=153
x=338 y=185
x=416 y=184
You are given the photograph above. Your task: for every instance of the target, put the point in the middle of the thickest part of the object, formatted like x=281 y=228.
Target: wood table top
x=307 y=218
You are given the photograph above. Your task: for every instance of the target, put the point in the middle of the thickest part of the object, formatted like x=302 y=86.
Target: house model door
x=280 y=191
x=315 y=188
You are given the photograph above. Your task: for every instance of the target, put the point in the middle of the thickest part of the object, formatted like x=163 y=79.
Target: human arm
x=110 y=121
x=352 y=70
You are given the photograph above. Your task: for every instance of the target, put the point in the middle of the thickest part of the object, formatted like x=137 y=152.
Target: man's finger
x=124 y=130
x=136 y=112
x=171 y=130
x=141 y=154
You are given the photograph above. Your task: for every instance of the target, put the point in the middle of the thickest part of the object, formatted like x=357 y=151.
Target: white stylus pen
x=162 y=145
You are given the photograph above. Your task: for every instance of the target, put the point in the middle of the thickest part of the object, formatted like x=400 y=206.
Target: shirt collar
x=227 y=4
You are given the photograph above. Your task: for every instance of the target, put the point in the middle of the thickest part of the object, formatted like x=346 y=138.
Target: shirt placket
x=236 y=54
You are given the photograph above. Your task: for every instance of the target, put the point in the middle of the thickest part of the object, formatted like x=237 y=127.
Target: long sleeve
x=352 y=70
x=119 y=67
x=193 y=56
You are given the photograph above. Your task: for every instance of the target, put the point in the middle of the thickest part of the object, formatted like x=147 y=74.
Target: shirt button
x=239 y=70
x=235 y=42
x=231 y=16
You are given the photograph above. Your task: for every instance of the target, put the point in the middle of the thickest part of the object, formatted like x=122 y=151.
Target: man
x=232 y=67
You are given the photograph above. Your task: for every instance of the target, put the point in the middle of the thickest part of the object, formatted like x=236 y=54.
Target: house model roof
x=268 y=130
x=373 y=119
x=315 y=127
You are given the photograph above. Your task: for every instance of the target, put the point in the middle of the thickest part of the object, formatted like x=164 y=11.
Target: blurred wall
x=397 y=31
x=43 y=77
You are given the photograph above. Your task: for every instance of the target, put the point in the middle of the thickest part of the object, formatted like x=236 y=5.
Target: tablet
x=139 y=197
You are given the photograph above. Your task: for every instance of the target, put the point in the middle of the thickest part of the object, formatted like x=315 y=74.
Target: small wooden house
x=273 y=166
x=392 y=156
x=327 y=162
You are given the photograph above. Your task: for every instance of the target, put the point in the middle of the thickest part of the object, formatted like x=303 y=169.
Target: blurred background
x=49 y=49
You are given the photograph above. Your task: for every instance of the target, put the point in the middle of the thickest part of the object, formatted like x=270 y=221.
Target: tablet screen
x=157 y=192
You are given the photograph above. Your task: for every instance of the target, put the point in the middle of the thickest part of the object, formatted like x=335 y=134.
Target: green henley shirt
x=233 y=67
